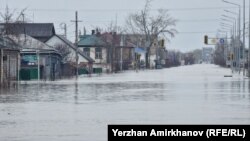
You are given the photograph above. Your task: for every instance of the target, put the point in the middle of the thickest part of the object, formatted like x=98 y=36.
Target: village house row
x=31 y=49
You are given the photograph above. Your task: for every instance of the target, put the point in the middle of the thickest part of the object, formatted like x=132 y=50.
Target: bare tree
x=9 y=17
x=148 y=26
x=64 y=51
x=112 y=27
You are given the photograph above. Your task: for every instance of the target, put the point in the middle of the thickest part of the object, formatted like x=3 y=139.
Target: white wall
x=98 y=61
x=54 y=41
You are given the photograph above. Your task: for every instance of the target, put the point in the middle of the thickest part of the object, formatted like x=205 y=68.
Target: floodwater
x=67 y=110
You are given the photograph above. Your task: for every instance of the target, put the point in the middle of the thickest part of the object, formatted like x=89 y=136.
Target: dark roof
x=40 y=31
x=74 y=47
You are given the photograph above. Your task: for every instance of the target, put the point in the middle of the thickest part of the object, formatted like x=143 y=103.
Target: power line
x=199 y=20
x=111 y=10
x=199 y=32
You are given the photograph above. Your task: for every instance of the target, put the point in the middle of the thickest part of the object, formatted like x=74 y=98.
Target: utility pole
x=244 y=34
x=1 y=77
x=239 y=48
x=244 y=28
x=76 y=41
x=122 y=44
x=38 y=65
x=156 y=53
x=249 y=46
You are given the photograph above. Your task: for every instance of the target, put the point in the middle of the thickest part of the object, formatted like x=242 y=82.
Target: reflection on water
x=53 y=92
x=70 y=109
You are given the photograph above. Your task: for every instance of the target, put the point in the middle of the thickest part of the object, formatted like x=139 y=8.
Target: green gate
x=83 y=71
x=97 y=70
x=28 y=74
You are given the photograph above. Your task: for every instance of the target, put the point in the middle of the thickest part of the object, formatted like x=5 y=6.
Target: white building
x=207 y=54
x=58 y=40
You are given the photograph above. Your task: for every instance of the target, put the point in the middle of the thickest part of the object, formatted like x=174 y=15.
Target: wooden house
x=9 y=61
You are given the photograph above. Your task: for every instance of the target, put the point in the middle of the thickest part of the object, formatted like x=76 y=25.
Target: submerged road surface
x=80 y=111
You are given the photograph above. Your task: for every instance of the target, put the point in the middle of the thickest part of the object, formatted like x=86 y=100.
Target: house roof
x=102 y=40
x=41 y=51
x=40 y=31
x=91 y=41
x=70 y=44
x=26 y=41
x=6 y=42
x=84 y=36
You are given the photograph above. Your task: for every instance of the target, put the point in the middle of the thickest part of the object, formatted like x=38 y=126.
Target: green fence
x=28 y=74
x=97 y=70
x=83 y=71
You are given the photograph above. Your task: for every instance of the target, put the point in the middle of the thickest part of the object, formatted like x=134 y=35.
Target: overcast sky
x=196 y=17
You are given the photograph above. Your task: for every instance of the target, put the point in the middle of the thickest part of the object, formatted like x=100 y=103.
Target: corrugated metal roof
x=6 y=42
x=40 y=31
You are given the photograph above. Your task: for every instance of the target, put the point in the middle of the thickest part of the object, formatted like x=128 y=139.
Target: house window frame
x=98 y=53
x=86 y=51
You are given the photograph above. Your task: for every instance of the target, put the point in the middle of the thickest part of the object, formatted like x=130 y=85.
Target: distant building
x=207 y=54
x=107 y=51
x=139 y=40
x=94 y=47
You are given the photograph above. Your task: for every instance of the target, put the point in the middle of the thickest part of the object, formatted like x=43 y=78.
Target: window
x=86 y=51
x=98 y=53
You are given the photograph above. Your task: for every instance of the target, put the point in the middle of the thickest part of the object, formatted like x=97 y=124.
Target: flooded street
x=67 y=110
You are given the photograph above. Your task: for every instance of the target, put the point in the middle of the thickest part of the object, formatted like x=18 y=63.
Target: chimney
x=98 y=33
x=93 y=32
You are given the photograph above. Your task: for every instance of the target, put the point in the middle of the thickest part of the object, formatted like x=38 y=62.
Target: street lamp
x=239 y=27
x=225 y=24
x=223 y=32
x=249 y=45
x=228 y=26
x=231 y=20
x=237 y=49
x=226 y=29
x=233 y=46
x=228 y=11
